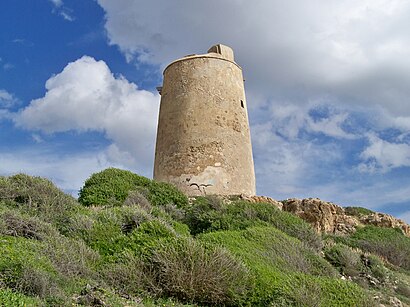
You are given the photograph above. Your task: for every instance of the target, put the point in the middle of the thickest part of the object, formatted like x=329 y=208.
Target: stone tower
x=203 y=139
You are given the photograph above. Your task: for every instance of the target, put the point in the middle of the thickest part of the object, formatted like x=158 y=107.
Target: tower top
x=225 y=51
x=218 y=51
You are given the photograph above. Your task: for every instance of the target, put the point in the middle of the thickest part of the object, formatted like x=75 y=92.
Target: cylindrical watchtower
x=203 y=139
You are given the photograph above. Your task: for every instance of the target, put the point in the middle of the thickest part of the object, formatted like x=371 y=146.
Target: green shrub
x=161 y=193
x=71 y=258
x=347 y=261
x=275 y=260
x=37 y=196
x=110 y=186
x=23 y=269
x=113 y=186
x=208 y=214
x=191 y=271
x=15 y=299
x=113 y=230
x=357 y=211
x=16 y=224
x=388 y=243
x=130 y=275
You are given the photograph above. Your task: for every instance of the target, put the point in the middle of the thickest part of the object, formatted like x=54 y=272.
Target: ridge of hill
x=329 y=218
x=131 y=241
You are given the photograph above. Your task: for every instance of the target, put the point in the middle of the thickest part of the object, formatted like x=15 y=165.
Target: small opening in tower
x=242 y=105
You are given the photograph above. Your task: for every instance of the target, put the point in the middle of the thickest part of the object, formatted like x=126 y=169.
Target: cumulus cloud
x=382 y=155
x=290 y=120
x=86 y=96
x=291 y=167
x=349 y=49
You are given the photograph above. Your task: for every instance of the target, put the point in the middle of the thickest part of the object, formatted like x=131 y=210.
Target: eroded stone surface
x=323 y=216
x=385 y=220
x=263 y=199
x=330 y=218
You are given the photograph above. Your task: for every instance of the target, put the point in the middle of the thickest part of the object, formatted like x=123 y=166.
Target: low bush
x=191 y=271
x=16 y=224
x=130 y=276
x=111 y=231
x=37 y=196
x=357 y=211
x=388 y=243
x=71 y=258
x=275 y=261
x=113 y=186
x=210 y=214
x=346 y=260
x=24 y=269
x=110 y=186
x=15 y=299
x=161 y=194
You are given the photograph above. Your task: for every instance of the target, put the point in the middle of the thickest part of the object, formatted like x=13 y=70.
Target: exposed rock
x=328 y=217
x=323 y=216
x=385 y=220
x=331 y=218
x=263 y=199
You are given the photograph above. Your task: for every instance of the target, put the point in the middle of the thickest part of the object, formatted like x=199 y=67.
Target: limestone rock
x=263 y=199
x=330 y=218
x=385 y=220
x=323 y=216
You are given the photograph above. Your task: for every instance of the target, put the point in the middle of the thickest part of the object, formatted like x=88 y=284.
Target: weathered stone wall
x=203 y=139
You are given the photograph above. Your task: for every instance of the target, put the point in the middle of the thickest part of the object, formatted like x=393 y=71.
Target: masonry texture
x=203 y=139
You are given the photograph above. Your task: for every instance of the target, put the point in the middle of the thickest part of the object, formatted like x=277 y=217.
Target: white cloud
x=86 y=96
x=7 y=100
x=290 y=119
x=67 y=15
x=62 y=10
x=354 y=50
x=331 y=126
x=289 y=168
x=57 y=3
x=382 y=155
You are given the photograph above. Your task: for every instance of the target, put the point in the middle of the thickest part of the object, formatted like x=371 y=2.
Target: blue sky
x=327 y=83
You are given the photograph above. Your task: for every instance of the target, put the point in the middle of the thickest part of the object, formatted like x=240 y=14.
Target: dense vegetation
x=130 y=241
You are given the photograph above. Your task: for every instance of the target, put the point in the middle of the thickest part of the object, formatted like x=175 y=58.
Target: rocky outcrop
x=323 y=216
x=385 y=220
x=263 y=199
x=330 y=218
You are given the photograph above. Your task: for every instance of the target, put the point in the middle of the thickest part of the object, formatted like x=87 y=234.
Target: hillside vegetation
x=131 y=241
